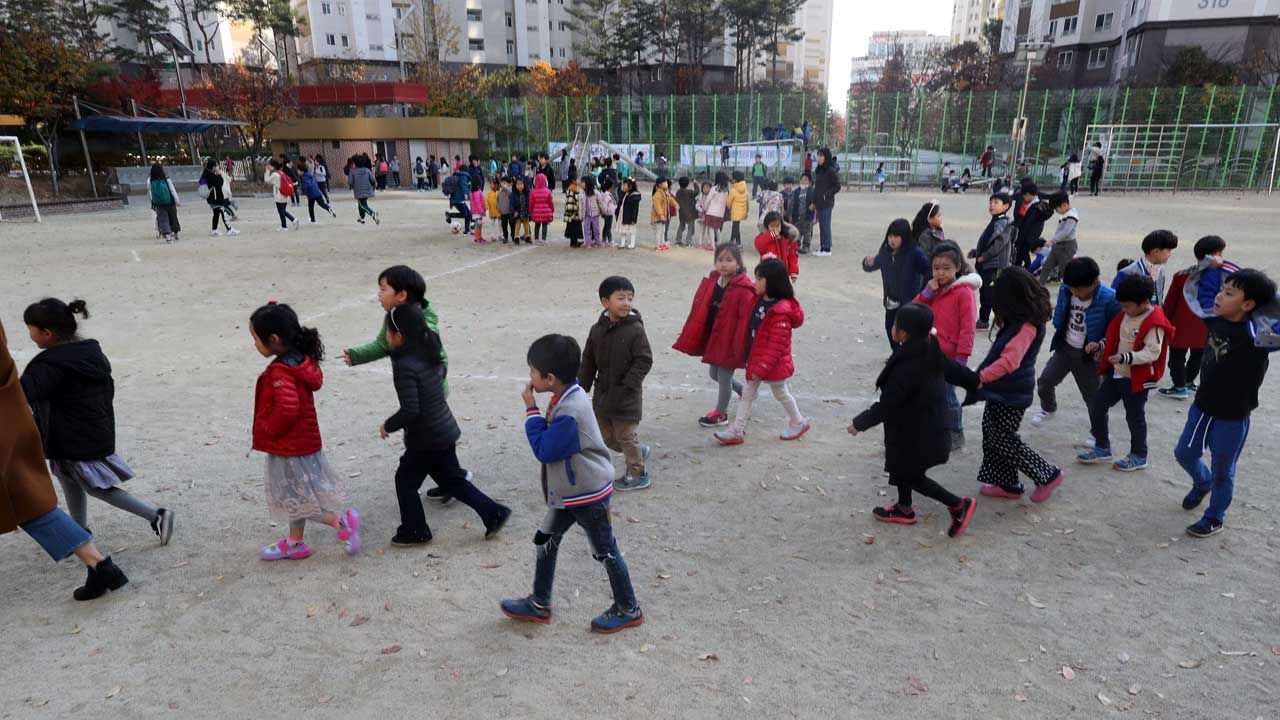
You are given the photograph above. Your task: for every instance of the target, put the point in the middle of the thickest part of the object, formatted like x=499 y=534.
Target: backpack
x=450 y=185
x=286 y=186
x=160 y=193
x=382 y=168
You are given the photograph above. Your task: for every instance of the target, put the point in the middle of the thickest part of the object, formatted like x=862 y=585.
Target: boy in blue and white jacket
x=577 y=482
x=1080 y=318
x=1157 y=246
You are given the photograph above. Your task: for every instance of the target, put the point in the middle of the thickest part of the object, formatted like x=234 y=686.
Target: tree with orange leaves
x=568 y=81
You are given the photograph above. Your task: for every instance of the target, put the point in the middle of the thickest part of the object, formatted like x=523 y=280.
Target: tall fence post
x=1231 y=144
x=942 y=129
x=1044 y=110
x=991 y=124
x=968 y=111
x=737 y=105
x=1208 y=114
x=826 y=110
x=546 y=121
x=1071 y=106
x=1266 y=117
x=608 y=119
x=671 y=124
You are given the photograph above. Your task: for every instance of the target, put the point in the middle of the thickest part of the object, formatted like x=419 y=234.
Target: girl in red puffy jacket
x=769 y=359
x=542 y=208
x=717 y=328
x=300 y=483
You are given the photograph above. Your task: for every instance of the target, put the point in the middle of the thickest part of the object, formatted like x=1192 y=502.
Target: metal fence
x=915 y=133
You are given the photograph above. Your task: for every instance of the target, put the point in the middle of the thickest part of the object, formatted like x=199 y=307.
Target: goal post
x=1193 y=156
x=26 y=176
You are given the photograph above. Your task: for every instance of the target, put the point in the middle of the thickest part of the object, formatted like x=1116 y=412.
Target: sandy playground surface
x=769 y=589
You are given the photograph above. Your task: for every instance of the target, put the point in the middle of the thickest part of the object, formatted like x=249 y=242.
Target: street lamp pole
x=398 y=22
x=1031 y=53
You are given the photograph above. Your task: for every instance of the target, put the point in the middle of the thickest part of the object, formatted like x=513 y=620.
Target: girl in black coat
x=430 y=432
x=913 y=408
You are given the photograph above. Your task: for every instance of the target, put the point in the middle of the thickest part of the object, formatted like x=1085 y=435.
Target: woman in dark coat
x=27 y=499
x=826 y=183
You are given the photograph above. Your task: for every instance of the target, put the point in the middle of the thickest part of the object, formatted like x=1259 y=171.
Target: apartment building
x=806 y=62
x=915 y=45
x=1099 y=42
x=969 y=18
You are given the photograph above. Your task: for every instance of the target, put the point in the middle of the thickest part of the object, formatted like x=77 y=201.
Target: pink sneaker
x=282 y=550
x=1043 y=492
x=996 y=491
x=349 y=531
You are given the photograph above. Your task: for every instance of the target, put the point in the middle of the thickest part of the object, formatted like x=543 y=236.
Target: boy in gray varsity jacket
x=577 y=481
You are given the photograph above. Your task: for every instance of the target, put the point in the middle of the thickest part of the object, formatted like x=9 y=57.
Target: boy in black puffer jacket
x=430 y=432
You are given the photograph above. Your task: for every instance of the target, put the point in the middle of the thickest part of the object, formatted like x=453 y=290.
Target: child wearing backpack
x=282 y=190
x=164 y=201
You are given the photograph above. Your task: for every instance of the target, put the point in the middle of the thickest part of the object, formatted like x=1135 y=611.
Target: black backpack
x=450 y=185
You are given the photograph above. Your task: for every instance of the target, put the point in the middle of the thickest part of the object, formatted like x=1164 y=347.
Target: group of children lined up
x=1114 y=340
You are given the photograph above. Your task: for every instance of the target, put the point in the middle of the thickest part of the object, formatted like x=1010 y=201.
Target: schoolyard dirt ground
x=769 y=589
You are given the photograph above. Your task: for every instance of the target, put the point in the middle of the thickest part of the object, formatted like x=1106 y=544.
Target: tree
x=697 y=28
x=431 y=35
x=142 y=18
x=778 y=28
x=746 y=22
x=79 y=21
x=633 y=38
x=1193 y=66
x=252 y=96
x=210 y=14
x=568 y=81
x=597 y=22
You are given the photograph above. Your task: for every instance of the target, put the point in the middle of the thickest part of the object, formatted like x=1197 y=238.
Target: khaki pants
x=620 y=436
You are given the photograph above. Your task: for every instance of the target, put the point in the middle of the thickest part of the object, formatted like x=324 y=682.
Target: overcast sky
x=855 y=20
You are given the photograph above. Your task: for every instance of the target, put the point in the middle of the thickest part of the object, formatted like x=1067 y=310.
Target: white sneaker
x=1040 y=417
x=215 y=233
x=232 y=232
x=283 y=229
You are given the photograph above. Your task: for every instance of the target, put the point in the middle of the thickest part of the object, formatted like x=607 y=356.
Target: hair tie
x=272 y=302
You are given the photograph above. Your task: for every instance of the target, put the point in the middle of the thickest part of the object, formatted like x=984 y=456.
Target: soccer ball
x=455 y=227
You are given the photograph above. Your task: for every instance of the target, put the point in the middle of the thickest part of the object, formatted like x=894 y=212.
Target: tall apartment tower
x=969 y=17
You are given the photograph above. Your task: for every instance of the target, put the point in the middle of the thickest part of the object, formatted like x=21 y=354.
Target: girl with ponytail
x=300 y=484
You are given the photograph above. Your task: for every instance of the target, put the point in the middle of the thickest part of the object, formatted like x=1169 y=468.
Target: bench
x=137 y=180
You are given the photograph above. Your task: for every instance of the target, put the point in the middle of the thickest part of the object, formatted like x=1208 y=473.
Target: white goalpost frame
x=26 y=177
x=1181 y=135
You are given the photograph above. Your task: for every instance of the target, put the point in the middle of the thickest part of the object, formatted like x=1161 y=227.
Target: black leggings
x=540 y=231
x=442 y=466
x=311 y=207
x=925 y=486
x=218 y=214
x=735 y=236
x=985 y=293
x=1184 y=365
x=284 y=214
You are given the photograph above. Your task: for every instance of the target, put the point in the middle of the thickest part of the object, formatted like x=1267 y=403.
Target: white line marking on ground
x=136 y=256
x=366 y=298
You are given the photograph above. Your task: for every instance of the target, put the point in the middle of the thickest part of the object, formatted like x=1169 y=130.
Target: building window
x=329 y=39
x=475 y=16
x=1070 y=26
x=1065 y=58
x=1053 y=28
x=199 y=44
x=1098 y=58
x=561 y=52
x=564 y=26
x=475 y=44
x=342 y=9
x=345 y=42
x=375 y=48
x=511 y=47
x=510 y=22
x=326 y=9
x=1103 y=21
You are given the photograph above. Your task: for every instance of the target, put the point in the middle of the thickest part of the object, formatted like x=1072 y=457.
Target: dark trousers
x=985 y=292
x=889 y=317
x=1114 y=390
x=735 y=236
x=281 y=209
x=311 y=207
x=1184 y=365
x=1065 y=361
x=464 y=213
x=1095 y=183
x=218 y=214
x=757 y=181
x=594 y=520
x=444 y=469
x=540 y=231
x=508 y=226
x=922 y=484
x=381 y=181
x=362 y=208
x=324 y=189
x=606 y=235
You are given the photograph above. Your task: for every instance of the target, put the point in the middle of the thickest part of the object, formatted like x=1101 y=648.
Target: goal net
x=14 y=204
x=1186 y=157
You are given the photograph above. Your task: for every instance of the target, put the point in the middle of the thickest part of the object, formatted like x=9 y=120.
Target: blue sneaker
x=633 y=482
x=1205 y=528
x=526 y=609
x=1094 y=455
x=1175 y=393
x=1130 y=464
x=1193 y=499
x=615 y=619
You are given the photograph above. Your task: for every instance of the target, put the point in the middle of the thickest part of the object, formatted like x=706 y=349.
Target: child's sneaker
x=1012 y=493
x=1040 y=417
x=401 y=540
x=1205 y=528
x=795 y=430
x=1193 y=499
x=215 y=233
x=163 y=525
x=615 y=619
x=961 y=515
x=1094 y=455
x=1131 y=463
x=283 y=550
x=349 y=531
x=1175 y=393
x=714 y=418
x=232 y=232
x=732 y=436
x=526 y=609
x=633 y=482
x=492 y=528
x=1042 y=492
x=895 y=513
x=377 y=219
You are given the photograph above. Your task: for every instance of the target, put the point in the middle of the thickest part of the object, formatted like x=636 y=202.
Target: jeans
x=955 y=411
x=57 y=533
x=757 y=181
x=1224 y=439
x=1184 y=365
x=1065 y=361
x=925 y=486
x=727 y=386
x=607 y=234
x=735 y=236
x=464 y=213
x=594 y=520
x=443 y=467
x=620 y=436
x=1111 y=391
x=824 y=229
x=806 y=234
x=283 y=212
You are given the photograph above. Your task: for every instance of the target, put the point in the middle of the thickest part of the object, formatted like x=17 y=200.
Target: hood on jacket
x=790 y=308
x=82 y=357
x=540 y=182
x=925 y=349
x=303 y=368
x=740 y=184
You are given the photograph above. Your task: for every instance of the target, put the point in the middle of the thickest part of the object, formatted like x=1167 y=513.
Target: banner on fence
x=739 y=155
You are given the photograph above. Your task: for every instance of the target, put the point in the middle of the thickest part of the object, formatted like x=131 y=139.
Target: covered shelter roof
x=126 y=124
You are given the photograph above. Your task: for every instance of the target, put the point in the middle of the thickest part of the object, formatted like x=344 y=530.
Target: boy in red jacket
x=1133 y=359
x=772 y=242
x=1189 y=338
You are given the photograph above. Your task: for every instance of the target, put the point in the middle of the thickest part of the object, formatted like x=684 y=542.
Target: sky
x=855 y=20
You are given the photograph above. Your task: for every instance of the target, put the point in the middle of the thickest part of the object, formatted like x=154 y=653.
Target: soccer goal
x=5 y=141
x=1222 y=156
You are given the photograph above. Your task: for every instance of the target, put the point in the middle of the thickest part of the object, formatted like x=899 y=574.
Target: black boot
x=106 y=576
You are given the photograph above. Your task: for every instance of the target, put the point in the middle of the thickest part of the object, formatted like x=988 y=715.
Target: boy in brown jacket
x=615 y=359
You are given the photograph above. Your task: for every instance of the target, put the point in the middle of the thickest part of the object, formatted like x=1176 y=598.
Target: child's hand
x=346 y=357
x=527 y=396
x=852 y=430
x=869 y=260
x=382 y=432
x=932 y=285
x=1092 y=347
x=1115 y=359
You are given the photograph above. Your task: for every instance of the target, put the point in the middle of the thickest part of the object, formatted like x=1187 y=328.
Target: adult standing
x=826 y=183
x=562 y=171
x=395 y=172
x=433 y=173
x=380 y=170
x=27 y=499
x=724 y=151
x=1096 y=162
x=545 y=169
x=165 y=202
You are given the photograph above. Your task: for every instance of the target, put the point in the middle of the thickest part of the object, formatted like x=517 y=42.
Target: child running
x=903 y=268
x=1133 y=359
x=616 y=360
x=950 y=297
x=542 y=208
x=577 y=482
x=362 y=183
x=311 y=188
x=1063 y=245
x=1190 y=334
x=430 y=432
x=912 y=389
x=219 y=198
x=769 y=360
x=72 y=396
x=628 y=213
x=282 y=189
x=772 y=242
x=300 y=484
x=717 y=327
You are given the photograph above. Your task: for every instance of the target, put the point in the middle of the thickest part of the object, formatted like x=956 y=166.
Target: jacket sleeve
x=1060 y=307
x=406 y=382
x=587 y=369
x=372 y=351
x=1000 y=242
x=968 y=313
x=895 y=397
x=874 y=265
x=38 y=380
x=1173 y=300
x=922 y=264
x=554 y=441
x=767 y=355
x=285 y=409
x=1012 y=355
x=869 y=418
x=641 y=362
x=960 y=376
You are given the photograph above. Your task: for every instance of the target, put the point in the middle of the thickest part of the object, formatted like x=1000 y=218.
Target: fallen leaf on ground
x=75 y=630
x=490 y=566
x=712 y=657
x=325 y=700
x=1068 y=673
x=1020 y=697
x=387 y=606
x=500 y=672
x=632 y=520
x=177 y=565
x=1236 y=653
x=1033 y=602
x=917 y=684
x=1106 y=701
x=1135 y=689
x=113 y=692
x=312 y=611
x=355 y=474
x=664 y=576
x=646 y=648
x=359 y=621
x=1190 y=664
x=391 y=650
x=868 y=539
x=1123 y=657
x=1229 y=596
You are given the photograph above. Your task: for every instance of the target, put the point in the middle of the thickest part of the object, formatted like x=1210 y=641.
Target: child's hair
x=1059 y=199
x=951 y=252
x=706 y=186
x=628 y=185
x=409 y=322
x=402 y=278
x=273 y=162
x=722 y=181
x=495 y=183
x=613 y=284
x=556 y=355
x=1001 y=196
x=788 y=180
x=1124 y=263
x=1080 y=272
x=56 y=316
x=683 y=181
x=777 y=283
x=915 y=320
x=1029 y=187
x=1135 y=288
x=1159 y=240
x=589 y=185
x=519 y=183
x=1208 y=245
x=733 y=249
x=280 y=320
x=921 y=220
x=157 y=172
x=738 y=176
x=660 y=184
x=805 y=176
x=1253 y=284
x=902 y=229
x=771 y=217
x=210 y=163
x=606 y=184
x=1018 y=298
